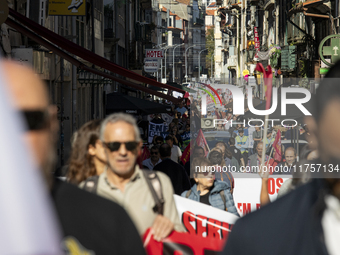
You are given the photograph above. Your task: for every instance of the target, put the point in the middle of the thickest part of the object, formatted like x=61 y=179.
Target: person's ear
x=196 y=180
x=91 y=150
x=312 y=139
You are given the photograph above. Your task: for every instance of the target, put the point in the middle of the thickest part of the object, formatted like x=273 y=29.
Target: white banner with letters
x=204 y=220
x=248 y=189
x=156 y=129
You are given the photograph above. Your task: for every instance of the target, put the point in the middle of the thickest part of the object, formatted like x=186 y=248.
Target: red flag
x=267 y=75
x=186 y=155
x=201 y=142
x=145 y=154
x=277 y=146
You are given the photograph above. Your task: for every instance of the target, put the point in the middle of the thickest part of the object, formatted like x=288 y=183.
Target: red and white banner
x=207 y=231
x=248 y=189
x=201 y=142
x=203 y=220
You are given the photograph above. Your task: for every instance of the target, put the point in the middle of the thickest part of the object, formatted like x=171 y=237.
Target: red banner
x=267 y=75
x=186 y=155
x=182 y=244
x=277 y=146
x=201 y=142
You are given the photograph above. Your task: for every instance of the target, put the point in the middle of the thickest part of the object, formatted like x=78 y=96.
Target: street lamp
x=186 y=65
x=173 y=61
x=199 y=64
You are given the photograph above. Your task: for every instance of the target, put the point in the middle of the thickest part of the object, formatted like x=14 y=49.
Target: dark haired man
x=154 y=159
x=314 y=227
x=176 y=152
x=159 y=140
x=175 y=171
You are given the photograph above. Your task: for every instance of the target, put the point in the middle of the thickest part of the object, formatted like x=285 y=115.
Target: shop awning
x=117 y=102
x=81 y=65
x=83 y=53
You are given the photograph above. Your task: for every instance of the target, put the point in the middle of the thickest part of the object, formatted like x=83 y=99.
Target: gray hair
x=117 y=117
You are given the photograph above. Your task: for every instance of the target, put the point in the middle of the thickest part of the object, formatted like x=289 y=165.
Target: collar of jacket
x=218 y=186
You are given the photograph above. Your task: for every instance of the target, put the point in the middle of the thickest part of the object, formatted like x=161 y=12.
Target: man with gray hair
x=124 y=182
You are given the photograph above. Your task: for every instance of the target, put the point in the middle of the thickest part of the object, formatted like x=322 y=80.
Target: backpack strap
x=188 y=193
x=155 y=187
x=91 y=184
x=223 y=199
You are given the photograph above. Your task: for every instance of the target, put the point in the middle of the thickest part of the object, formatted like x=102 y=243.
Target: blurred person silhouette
x=209 y=191
x=28 y=221
x=87 y=155
x=308 y=217
x=176 y=172
x=85 y=227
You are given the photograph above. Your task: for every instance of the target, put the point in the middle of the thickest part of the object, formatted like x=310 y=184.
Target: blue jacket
x=215 y=198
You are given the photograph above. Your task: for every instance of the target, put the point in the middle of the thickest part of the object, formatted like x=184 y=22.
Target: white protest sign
x=204 y=220
x=248 y=189
x=155 y=129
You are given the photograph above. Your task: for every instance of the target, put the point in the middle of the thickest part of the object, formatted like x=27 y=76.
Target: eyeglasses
x=114 y=146
x=208 y=173
x=153 y=153
x=35 y=119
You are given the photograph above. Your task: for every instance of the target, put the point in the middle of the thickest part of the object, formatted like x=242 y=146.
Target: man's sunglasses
x=114 y=146
x=154 y=153
x=35 y=120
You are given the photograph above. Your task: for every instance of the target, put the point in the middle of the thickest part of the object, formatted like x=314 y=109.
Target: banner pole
x=264 y=145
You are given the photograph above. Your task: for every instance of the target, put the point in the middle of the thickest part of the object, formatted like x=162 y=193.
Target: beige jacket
x=137 y=199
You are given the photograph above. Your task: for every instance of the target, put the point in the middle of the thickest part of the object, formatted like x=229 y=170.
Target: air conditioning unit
x=207 y=123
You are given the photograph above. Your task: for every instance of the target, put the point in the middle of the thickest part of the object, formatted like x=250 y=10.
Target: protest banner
x=155 y=129
x=203 y=220
x=164 y=134
x=207 y=231
x=201 y=142
x=248 y=189
x=182 y=243
x=167 y=118
x=186 y=155
x=186 y=139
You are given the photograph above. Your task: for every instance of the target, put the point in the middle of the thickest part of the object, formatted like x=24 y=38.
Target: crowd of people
x=109 y=199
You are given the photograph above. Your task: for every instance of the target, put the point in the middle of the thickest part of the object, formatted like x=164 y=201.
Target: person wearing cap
x=242 y=143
